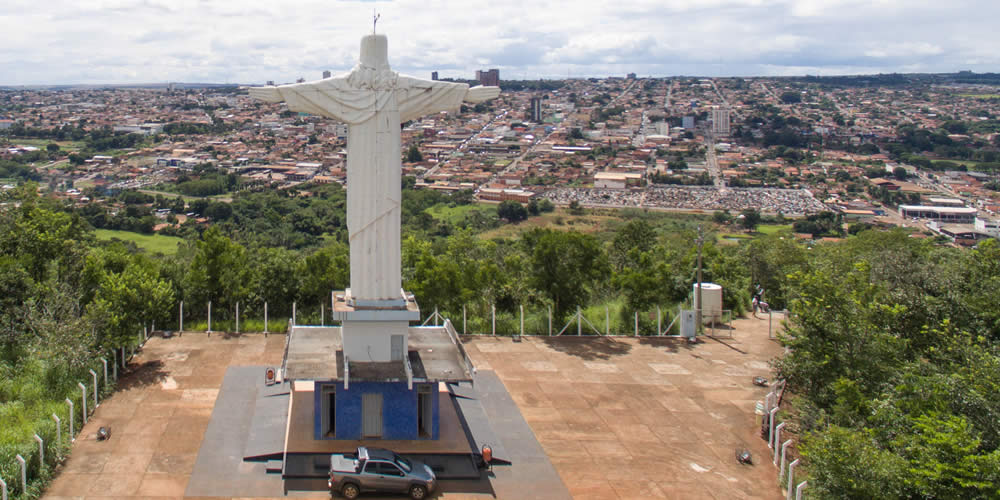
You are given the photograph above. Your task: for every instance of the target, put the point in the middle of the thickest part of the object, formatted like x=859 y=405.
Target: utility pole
x=700 y=241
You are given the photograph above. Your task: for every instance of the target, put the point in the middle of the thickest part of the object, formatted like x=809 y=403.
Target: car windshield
x=403 y=463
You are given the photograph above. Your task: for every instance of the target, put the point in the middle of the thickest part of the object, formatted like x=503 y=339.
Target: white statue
x=373 y=100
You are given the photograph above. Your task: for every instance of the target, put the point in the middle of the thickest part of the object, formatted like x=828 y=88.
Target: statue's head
x=375 y=51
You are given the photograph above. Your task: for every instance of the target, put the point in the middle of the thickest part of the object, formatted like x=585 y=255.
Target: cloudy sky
x=249 y=41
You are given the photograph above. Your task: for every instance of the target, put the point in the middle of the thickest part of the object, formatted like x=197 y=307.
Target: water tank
x=711 y=294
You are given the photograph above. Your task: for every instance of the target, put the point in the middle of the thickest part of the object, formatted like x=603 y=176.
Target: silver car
x=379 y=470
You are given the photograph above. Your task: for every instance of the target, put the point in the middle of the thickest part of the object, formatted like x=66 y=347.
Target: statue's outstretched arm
x=479 y=94
x=266 y=94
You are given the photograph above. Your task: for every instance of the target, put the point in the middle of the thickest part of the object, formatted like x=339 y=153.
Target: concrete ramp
x=266 y=439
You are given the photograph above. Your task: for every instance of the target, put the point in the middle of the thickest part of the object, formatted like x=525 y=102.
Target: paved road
x=465 y=143
x=712 y=162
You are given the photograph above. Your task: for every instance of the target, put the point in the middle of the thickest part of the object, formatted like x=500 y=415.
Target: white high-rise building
x=720 y=121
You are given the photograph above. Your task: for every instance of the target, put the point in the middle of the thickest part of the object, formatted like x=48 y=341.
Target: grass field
x=225 y=198
x=455 y=214
x=41 y=143
x=773 y=228
x=153 y=243
x=561 y=219
x=981 y=96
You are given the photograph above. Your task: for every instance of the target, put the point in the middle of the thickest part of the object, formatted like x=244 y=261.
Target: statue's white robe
x=373 y=103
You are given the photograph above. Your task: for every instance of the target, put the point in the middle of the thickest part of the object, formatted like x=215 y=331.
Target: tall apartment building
x=687 y=122
x=536 y=109
x=489 y=77
x=720 y=121
x=434 y=75
x=326 y=74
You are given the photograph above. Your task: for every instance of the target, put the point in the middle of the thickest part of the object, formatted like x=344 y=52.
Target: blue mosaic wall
x=399 y=410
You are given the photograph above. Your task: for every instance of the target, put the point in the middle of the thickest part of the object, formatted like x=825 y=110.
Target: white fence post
x=784 y=452
x=94 y=374
x=607 y=321
x=636 y=324
x=58 y=430
x=237 y=317
x=114 y=365
x=799 y=488
x=322 y=314
x=72 y=437
x=24 y=474
x=493 y=319
x=777 y=439
x=659 y=321
x=770 y=423
x=180 y=327
x=522 y=319
x=579 y=321
x=791 y=477
x=210 y=316
x=83 y=400
x=550 y=320
x=105 y=363
x=465 y=330
x=293 y=313
x=265 y=317
x=41 y=452
x=4 y=486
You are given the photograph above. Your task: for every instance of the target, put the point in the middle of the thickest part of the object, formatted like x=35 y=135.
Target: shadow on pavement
x=143 y=375
x=588 y=347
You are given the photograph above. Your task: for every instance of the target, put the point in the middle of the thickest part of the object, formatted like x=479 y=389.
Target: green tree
x=322 y=272
x=844 y=328
x=565 y=267
x=722 y=217
x=276 y=278
x=791 y=97
x=511 y=211
x=128 y=300
x=413 y=154
x=217 y=273
x=633 y=239
x=533 y=207
x=749 y=219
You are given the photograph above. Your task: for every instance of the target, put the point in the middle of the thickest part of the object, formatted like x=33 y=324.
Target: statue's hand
x=480 y=94
x=267 y=94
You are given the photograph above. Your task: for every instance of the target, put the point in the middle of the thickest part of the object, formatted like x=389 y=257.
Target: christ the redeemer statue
x=373 y=100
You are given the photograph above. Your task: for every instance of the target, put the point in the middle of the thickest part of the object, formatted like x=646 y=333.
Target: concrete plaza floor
x=617 y=417
x=643 y=418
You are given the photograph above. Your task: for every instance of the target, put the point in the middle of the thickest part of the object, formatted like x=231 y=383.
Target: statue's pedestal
x=375 y=331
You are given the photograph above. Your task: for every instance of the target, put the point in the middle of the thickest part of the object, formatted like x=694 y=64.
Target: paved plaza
x=617 y=417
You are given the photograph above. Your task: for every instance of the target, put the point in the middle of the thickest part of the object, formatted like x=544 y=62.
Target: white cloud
x=112 y=41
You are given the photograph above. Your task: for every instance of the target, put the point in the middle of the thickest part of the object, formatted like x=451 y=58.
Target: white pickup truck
x=379 y=470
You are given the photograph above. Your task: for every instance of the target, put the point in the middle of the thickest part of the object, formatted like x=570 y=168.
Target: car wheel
x=418 y=492
x=350 y=491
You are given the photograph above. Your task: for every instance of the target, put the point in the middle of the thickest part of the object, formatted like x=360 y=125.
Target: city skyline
x=132 y=41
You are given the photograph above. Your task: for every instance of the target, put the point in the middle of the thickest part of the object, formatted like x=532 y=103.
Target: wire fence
x=472 y=319
x=593 y=321
x=26 y=468
x=783 y=454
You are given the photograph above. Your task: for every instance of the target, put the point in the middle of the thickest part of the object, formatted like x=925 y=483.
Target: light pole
x=700 y=241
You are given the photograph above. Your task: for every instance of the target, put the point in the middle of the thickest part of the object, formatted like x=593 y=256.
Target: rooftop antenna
x=375 y=20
